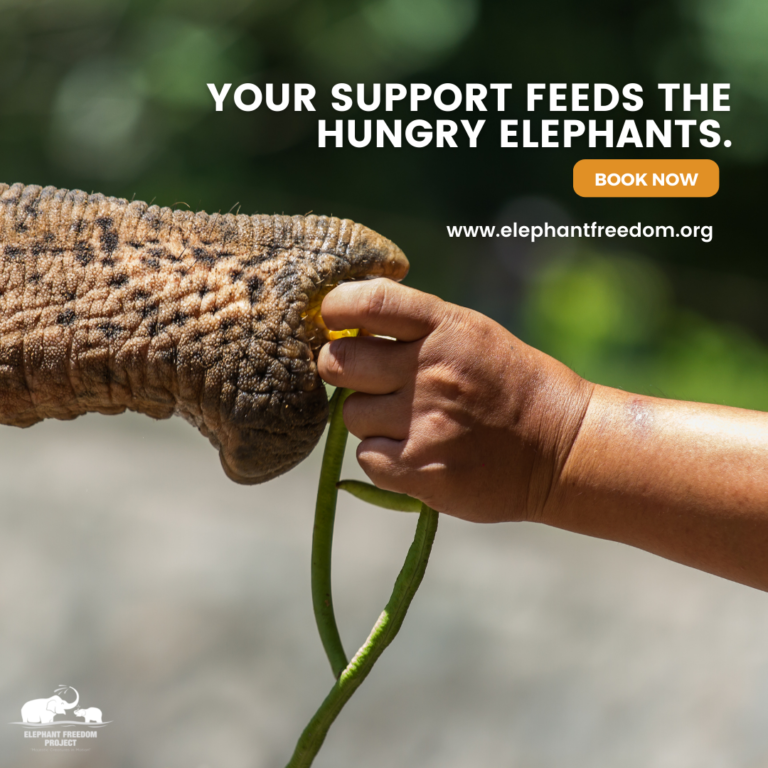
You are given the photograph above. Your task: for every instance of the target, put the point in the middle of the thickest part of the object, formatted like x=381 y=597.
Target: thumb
x=383 y=307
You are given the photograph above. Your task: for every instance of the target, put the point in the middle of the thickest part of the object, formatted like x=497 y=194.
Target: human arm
x=466 y=417
x=687 y=481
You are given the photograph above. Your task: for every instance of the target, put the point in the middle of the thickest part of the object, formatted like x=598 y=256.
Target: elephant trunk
x=108 y=305
x=74 y=703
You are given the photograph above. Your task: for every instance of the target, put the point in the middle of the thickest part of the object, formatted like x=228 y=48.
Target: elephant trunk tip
x=75 y=702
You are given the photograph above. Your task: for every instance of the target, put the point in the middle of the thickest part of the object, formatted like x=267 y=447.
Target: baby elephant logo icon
x=91 y=715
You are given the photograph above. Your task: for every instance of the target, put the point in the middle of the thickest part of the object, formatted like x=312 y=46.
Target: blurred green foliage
x=612 y=319
x=111 y=95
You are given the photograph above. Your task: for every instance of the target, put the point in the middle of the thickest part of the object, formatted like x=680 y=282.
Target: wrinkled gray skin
x=107 y=305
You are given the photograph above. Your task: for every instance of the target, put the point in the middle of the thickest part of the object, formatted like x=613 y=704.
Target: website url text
x=537 y=231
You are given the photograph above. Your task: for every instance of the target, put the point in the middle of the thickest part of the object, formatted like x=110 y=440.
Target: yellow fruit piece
x=314 y=319
x=349 y=332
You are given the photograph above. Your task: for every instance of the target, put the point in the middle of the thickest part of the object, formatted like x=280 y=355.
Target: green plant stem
x=322 y=536
x=381 y=636
x=400 y=502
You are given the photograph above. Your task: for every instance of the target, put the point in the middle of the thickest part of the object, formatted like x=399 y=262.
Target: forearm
x=686 y=481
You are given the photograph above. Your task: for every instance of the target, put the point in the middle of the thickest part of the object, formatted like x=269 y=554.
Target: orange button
x=646 y=178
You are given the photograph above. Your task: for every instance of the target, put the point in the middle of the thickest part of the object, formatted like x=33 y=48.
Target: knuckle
x=450 y=387
x=377 y=467
x=369 y=462
x=390 y=473
x=454 y=321
x=376 y=298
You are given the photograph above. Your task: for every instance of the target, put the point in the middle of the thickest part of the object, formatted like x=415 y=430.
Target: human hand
x=453 y=409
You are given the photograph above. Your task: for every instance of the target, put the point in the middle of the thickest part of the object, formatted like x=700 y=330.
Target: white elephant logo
x=91 y=714
x=44 y=710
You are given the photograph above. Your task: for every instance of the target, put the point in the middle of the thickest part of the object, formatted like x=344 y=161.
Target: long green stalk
x=381 y=636
x=322 y=536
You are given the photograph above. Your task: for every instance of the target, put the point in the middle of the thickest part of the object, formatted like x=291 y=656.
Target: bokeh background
x=179 y=603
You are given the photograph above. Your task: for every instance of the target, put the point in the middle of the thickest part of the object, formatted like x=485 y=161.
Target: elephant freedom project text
x=54 y=738
x=550 y=133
